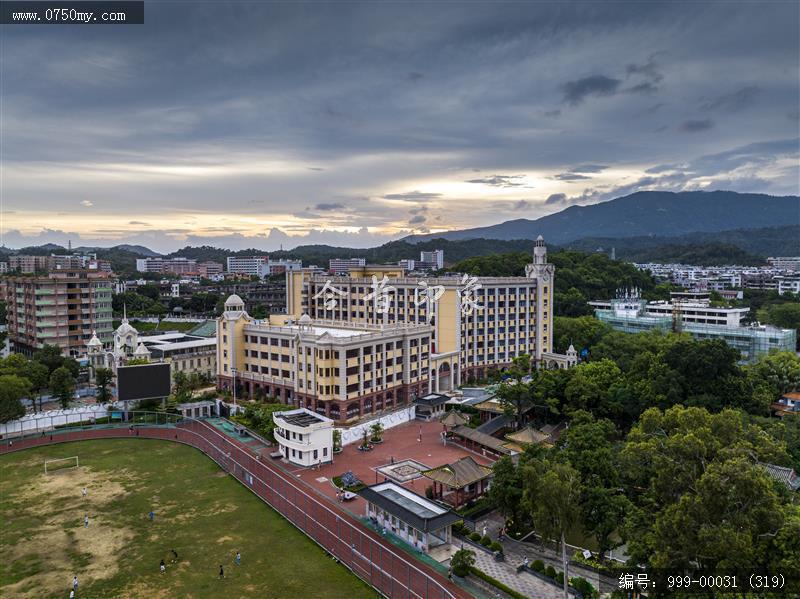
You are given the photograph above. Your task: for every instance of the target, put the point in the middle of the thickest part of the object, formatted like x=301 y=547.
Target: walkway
x=506 y=572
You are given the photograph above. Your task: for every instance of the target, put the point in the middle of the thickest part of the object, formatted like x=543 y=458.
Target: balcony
x=291 y=443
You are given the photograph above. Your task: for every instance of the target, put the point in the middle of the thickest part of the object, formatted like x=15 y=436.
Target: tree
x=62 y=385
x=692 y=468
x=376 y=430
x=103 y=378
x=552 y=490
x=594 y=387
x=589 y=448
x=337 y=439
x=506 y=489
x=12 y=389
x=781 y=371
x=38 y=376
x=462 y=561
x=515 y=395
x=50 y=356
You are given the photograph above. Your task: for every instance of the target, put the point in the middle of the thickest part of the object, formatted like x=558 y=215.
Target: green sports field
x=201 y=512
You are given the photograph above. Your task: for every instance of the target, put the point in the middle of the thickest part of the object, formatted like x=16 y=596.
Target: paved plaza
x=401 y=444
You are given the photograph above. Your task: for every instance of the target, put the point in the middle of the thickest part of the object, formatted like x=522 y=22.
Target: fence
x=355 y=434
x=365 y=553
x=45 y=421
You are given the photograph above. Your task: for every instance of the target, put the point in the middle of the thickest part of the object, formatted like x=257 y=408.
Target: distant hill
x=645 y=213
x=740 y=246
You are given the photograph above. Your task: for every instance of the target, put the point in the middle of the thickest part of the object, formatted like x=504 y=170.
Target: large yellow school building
x=375 y=338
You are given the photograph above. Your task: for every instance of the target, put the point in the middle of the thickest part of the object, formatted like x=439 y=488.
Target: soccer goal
x=51 y=466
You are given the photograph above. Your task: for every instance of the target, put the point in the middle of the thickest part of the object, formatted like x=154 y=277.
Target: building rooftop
x=302 y=418
x=480 y=438
x=432 y=399
x=459 y=474
x=421 y=513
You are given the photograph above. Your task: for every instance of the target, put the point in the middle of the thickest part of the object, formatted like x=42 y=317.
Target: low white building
x=305 y=438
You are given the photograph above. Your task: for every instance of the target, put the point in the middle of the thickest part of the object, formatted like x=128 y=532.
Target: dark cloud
x=417 y=220
x=695 y=125
x=570 y=177
x=521 y=205
x=577 y=91
x=248 y=102
x=329 y=206
x=501 y=181
x=588 y=168
x=412 y=196
x=649 y=70
x=643 y=88
x=661 y=168
x=138 y=222
x=556 y=198
x=734 y=101
x=418 y=210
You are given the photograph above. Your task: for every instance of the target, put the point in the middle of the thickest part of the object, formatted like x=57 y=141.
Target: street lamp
x=233 y=372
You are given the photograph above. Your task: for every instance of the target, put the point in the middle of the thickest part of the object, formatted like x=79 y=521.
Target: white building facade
x=304 y=438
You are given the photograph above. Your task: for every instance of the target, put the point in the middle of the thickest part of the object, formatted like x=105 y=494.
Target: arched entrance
x=445 y=377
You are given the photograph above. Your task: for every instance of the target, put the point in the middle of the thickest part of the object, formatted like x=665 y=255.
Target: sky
x=275 y=124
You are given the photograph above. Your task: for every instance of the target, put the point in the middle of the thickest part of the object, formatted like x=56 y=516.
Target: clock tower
x=543 y=272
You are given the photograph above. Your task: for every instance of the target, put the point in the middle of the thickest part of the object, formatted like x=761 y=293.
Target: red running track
x=366 y=553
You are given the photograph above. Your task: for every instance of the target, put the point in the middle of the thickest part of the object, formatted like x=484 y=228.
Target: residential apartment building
x=791 y=263
x=175 y=266
x=343 y=265
x=61 y=308
x=247 y=265
x=342 y=370
x=209 y=269
x=28 y=264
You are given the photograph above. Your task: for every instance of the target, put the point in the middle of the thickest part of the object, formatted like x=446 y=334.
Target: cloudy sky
x=256 y=124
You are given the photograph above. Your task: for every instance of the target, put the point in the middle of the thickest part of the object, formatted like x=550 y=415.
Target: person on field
x=174 y=556
x=238 y=559
x=152 y=515
x=163 y=566
x=86 y=520
x=221 y=572
x=84 y=492
x=75 y=583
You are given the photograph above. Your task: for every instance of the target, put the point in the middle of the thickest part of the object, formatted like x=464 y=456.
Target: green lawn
x=201 y=512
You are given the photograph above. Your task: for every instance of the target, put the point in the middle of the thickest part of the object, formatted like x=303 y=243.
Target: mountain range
x=645 y=213
x=719 y=227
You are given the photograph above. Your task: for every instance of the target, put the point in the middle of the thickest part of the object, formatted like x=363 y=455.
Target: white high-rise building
x=433 y=260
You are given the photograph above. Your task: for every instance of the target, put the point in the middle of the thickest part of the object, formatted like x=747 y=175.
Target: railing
x=365 y=553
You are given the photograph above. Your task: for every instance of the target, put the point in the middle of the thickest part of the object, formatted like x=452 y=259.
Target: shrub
x=560 y=578
x=497 y=584
x=550 y=571
x=538 y=566
x=486 y=541
x=583 y=586
x=462 y=561
x=495 y=546
x=475 y=536
x=458 y=527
